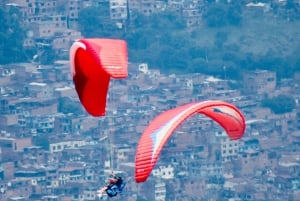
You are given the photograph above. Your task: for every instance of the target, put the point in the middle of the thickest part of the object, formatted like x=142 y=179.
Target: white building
x=60 y=146
x=118 y=9
x=165 y=172
x=229 y=148
x=160 y=191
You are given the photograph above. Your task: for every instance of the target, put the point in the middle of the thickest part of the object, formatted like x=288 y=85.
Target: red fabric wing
x=162 y=127
x=93 y=62
x=229 y=117
x=112 y=54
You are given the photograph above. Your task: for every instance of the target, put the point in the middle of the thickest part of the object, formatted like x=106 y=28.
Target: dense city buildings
x=48 y=154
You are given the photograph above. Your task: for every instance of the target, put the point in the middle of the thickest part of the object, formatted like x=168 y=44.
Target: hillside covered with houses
x=52 y=150
x=188 y=36
x=65 y=156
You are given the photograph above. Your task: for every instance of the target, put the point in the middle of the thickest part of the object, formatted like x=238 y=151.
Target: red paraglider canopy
x=162 y=127
x=93 y=63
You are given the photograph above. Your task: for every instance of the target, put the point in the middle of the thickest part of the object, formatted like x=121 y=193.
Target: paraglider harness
x=114 y=188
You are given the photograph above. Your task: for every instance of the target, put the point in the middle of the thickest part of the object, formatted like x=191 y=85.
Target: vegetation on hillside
x=11 y=36
x=232 y=38
x=66 y=105
x=280 y=104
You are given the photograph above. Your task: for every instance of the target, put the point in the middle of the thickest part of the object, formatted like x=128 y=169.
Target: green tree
x=66 y=105
x=12 y=34
x=280 y=104
x=96 y=22
x=166 y=21
x=216 y=15
x=47 y=56
x=220 y=38
x=234 y=15
x=198 y=65
x=159 y=39
x=220 y=14
x=196 y=51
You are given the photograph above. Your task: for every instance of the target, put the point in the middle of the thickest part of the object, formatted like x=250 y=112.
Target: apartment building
x=118 y=9
x=259 y=82
x=160 y=191
x=147 y=7
x=15 y=144
x=229 y=148
x=192 y=12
